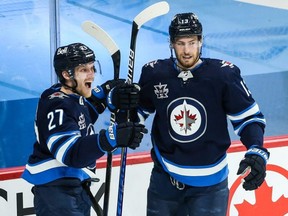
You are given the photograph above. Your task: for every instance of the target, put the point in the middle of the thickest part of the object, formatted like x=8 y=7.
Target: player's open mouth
x=88 y=84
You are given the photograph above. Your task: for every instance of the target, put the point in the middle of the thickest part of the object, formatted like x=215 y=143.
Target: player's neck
x=67 y=90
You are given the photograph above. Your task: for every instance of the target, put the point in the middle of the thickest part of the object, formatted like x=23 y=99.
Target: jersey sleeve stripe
x=250 y=111
x=60 y=154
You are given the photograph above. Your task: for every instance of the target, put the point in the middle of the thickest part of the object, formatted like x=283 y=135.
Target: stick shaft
x=144 y=16
x=102 y=36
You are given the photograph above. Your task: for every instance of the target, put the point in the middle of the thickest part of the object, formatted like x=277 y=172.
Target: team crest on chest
x=188 y=119
x=161 y=91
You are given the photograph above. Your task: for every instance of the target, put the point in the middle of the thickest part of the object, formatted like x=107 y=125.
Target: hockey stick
x=144 y=16
x=100 y=35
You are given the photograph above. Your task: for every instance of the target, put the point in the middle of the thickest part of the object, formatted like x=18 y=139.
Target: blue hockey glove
x=99 y=94
x=123 y=97
x=98 y=99
x=110 y=84
x=255 y=159
x=126 y=134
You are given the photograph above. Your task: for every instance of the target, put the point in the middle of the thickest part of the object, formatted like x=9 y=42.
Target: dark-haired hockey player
x=192 y=98
x=67 y=147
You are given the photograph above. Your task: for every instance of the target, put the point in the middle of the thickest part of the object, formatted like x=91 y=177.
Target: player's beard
x=188 y=63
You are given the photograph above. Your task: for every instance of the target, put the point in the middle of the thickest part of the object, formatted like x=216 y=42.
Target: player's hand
x=123 y=97
x=110 y=84
x=99 y=94
x=254 y=163
x=98 y=99
x=128 y=134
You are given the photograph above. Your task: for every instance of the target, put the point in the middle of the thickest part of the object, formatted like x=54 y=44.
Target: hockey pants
x=65 y=199
x=171 y=198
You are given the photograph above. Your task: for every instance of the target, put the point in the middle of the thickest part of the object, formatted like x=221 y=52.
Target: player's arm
x=242 y=110
x=62 y=137
x=66 y=143
x=249 y=123
x=88 y=148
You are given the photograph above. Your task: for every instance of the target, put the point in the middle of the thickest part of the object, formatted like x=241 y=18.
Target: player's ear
x=66 y=75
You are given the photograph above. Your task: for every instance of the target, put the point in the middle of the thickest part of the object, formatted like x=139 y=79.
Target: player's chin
x=186 y=62
x=88 y=95
x=86 y=92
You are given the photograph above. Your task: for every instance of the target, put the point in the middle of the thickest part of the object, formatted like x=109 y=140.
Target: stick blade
x=99 y=34
x=151 y=12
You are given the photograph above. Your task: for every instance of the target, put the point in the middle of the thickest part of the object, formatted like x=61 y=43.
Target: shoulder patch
x=60 y=95
x=227 y=64
x=151 y=64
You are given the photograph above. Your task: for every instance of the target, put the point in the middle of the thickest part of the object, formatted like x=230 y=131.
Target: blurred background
x=251 y=34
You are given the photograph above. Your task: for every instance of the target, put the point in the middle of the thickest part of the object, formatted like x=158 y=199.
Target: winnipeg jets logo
x=188 y=119
x=185 y=119
x=161 y=91
x=57 y=95
x=226 y=63
x=81 y=122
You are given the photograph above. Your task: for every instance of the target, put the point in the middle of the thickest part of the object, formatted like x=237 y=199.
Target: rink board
x=16 y=198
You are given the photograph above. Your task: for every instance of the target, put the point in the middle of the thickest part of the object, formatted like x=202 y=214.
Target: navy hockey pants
x=171 y=198
x=61 y=200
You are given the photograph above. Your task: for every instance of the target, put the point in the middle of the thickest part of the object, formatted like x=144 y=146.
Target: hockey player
x=67 y=147
x=192 y=98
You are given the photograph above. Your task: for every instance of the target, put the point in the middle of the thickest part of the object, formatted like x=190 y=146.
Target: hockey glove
x=110 y=84
x=98 y=99
x=255 y=159
x=123 y=97
x=99 y=94
x=126 y=134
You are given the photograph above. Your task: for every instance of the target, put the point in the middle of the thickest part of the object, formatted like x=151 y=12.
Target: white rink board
x=137 y=180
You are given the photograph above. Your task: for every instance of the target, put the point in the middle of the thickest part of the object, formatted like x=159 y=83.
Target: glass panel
x=254 y=37
x=24 y=73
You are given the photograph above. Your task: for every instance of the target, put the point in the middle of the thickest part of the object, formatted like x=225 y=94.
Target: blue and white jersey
x=190 y=131
x=63 y=147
